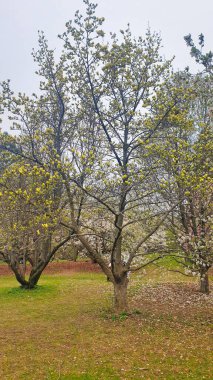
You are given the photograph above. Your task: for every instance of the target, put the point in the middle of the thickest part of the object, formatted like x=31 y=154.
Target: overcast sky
x=21 y=19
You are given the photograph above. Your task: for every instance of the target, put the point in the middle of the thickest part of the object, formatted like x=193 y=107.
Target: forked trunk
x=31 y=282
x=36 y=272
x=34 y=276
x=204 y=283
x=120 y=296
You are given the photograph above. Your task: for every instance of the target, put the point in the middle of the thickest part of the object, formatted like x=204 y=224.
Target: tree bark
x=74 y=254
x=36 y=272
x=120 y=295
x=19 y=277
x=204 y=283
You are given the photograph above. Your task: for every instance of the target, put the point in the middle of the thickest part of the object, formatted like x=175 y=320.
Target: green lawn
x=65 y=329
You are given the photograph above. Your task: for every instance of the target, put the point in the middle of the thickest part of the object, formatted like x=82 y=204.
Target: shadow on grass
x=37 y=292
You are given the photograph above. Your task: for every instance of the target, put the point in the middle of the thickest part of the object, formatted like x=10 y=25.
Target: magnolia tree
x=38 y=140
x=186 y=178
x=29 y=221
x=122 y=83
x=100 y=109
x=189 y=172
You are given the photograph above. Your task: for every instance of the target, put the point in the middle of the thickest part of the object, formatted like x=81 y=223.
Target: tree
x=102 y=107
x=121 y=82
x=186 y=156
x=37 y=142
x=29 y=222
x=205 y=59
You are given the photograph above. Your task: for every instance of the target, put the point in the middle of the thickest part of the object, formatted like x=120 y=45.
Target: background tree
x=186 y=177
x=205 y=59
x=29 y=222
x=38 y=142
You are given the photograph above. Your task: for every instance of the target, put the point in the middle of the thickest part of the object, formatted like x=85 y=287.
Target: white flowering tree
x=186 y=156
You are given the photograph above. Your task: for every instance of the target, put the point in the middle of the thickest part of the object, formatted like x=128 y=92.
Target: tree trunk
x=74 y=254
x=120 y=295
x=36 y=272
x=20 y=278
x=33 y=280
x=204 y=283
x=19 y=272
x=94 y=261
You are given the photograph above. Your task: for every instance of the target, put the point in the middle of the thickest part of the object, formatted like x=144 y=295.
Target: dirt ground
x=60 y=267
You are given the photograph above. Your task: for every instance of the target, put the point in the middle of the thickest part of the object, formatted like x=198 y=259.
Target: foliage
x=30 y=220
x=204 y=58
x=187 y=177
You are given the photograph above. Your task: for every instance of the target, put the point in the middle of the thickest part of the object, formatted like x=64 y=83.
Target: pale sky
x=21 y=19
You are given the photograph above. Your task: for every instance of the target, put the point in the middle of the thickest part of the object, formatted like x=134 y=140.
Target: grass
x=65 y=330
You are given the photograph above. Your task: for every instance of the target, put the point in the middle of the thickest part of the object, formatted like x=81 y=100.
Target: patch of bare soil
x=60 y=267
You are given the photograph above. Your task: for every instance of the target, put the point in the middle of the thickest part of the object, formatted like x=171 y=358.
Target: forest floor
x=65 y=329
